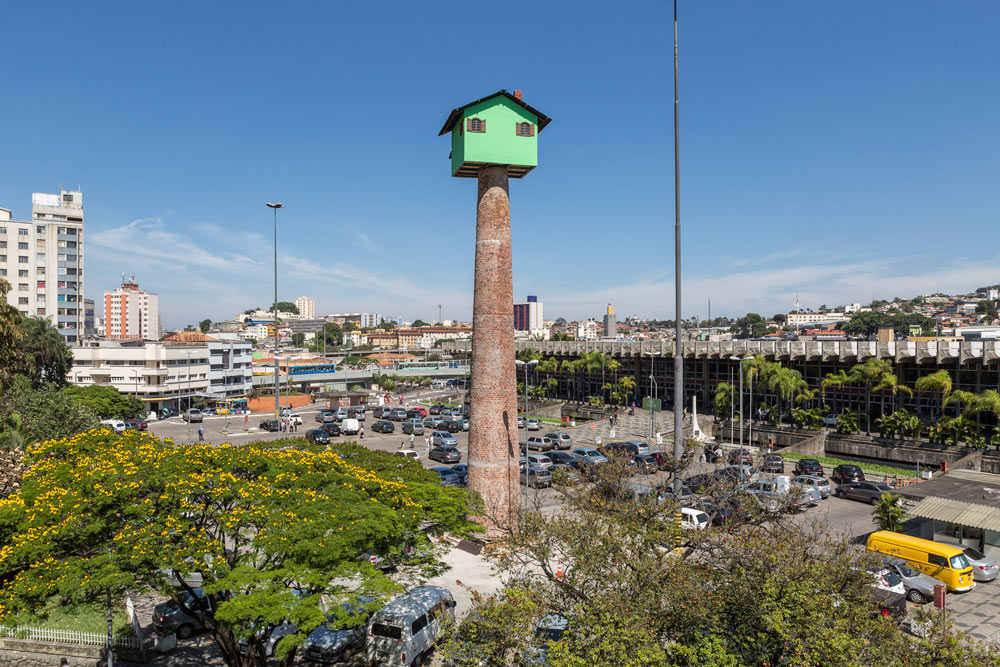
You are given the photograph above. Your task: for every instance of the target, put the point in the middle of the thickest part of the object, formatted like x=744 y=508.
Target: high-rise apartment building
x=130 y=313
x=42 y=259
x=610 y=323
x=306 y=306
x=528 y=316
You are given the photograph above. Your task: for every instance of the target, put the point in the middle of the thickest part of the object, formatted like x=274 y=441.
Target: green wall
x=500 y=143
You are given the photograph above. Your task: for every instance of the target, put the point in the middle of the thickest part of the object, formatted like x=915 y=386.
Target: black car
x=809 y=467
x=564 y=457
x=317 y=436
x=448 y=476
x=451 y=425
x=436 y=409
x=270 y=425
x=383 y=426
x=741 y=457
x=415 y=413
x=700 y=482
x=846 y=473
x=462 y=470
x=866 y=492
x=719 y=514
x=774 y=463
x=332 y=429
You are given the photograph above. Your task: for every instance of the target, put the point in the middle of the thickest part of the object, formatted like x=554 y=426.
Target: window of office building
x=40 y=229
x=22 y=231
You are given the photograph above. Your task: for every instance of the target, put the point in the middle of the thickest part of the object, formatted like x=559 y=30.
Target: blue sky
x=831 y=148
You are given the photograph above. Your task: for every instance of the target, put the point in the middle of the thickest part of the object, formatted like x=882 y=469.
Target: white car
x=887 y=580
x=539 y=460
x=829 y=420
x=693 y=519
x=117 y=424
x=407 y=453
x=295 y=418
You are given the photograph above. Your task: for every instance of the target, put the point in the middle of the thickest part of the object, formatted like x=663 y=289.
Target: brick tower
x=493 y=139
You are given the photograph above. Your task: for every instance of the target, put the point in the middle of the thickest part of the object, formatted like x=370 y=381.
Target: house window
x=3 y=230
x=22 y=259
x=3 y=272
x=525 y=130
x=22 y=273
x=23 y=231
x=476 y=125
x=3 y=244
x=22 y=301
x=22 y=287
x=40 y=229
x=40 y=284
x=3 y=258
x=22 y=246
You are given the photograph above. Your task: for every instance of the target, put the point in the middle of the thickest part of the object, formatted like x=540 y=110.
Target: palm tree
x=723 y=399
x=787 y=384
x=627 y=386
x=838 y=379
x=888 y=513
x=938 y=382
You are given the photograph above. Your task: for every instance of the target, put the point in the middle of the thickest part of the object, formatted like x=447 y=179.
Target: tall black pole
x=678 y=345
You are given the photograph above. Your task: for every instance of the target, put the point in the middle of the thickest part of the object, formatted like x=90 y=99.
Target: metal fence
x=68 y=636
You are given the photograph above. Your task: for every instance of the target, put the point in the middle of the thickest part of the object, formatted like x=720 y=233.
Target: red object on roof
x=517 y=94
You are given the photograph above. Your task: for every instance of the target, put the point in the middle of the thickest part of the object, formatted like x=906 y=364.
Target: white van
x=404 y=631
x=437 y=384
x=117 y=424
x=349 y=426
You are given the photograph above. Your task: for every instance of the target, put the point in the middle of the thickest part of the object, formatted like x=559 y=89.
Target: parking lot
x=976 y=612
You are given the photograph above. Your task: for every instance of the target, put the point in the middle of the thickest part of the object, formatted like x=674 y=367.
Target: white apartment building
x=306 y=306
x=795 y=319
x=167 y=375
x=161 y=376
x=586 y=330
x=130 y=313
x=42 y=259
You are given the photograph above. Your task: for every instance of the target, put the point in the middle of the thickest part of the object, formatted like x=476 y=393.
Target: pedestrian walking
x=427 y=446
x=411 y=441
x=361 y=432
x=63 y=662
x=201 y=434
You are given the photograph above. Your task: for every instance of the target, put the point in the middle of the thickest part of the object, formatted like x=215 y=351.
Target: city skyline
x=860 y=164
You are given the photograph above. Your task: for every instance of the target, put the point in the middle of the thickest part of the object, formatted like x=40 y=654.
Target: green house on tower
x=496 y=130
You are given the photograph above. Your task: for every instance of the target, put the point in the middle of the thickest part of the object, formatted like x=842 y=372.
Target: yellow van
x=941 y=561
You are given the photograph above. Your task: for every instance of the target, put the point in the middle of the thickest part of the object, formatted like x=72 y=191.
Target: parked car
x=358 y=412
x=809 y=467
x=701 y=481
x=867 y=492
x=645 y=464
x=326 y=417
x=666 y=492
x=116 y=425
x=436 y=409
x=419 y=411
x=641 y=447
x=540 y=442
x=137 y=424
x=741 y=457
x=329 y=644
x=272 y=425
x=829 y=420
x=381 y=411
x=564 y=471
x=332 y=429
x=539 y=461
x=433 y=421
x=984 y=568
x=317 y=436
x=169 y=617
x=445 y=454
x=664 y=461
x=888 y=580
x=465 y=423
x=192 y=415
x=740 y=474
x=409 y=626
x=533 y=424
x=560 y=440
x=413 y=425
x=589 y=455
x=820 y=484
x=443 y=438
x=462 y=470
x=448 y=476
x=341 y=414
x=718 y=514
x=694 y=519
x=407 y=453
x=397 y=414
x=520 y=422
x=846 y=473
x=621 y=449
x=773 y=463
x=536 y=477
x=919 y=586
x=383 y=426
x=566 y=458
x=780 y=494
x=350 y=426
x=450 y=425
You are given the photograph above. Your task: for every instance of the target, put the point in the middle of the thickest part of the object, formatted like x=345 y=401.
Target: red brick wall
x=266 y=403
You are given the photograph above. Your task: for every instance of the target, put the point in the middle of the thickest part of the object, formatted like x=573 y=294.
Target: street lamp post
x=741 y=360
x=678 y=343
x=277 y=384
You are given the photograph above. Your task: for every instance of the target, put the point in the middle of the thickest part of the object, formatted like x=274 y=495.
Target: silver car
x=329 y=644
x=442 y=438
x=589 y=455
x=536 y=477
x=820 y=484
x=919 y=586
x=984 y=568
x=533 y=424
x=561 y=440
x=413 y=425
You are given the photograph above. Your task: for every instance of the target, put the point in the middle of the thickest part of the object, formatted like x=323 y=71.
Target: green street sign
x=652 y=404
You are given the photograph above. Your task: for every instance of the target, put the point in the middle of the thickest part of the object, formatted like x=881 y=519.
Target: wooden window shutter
x=531 y=129
x=482 y=125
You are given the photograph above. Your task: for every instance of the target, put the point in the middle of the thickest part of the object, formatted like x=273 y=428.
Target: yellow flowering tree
x=276 y=531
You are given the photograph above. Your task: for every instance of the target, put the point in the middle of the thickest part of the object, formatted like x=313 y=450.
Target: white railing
x=68 y=636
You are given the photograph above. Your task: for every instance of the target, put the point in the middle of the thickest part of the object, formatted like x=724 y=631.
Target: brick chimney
x=517 y=94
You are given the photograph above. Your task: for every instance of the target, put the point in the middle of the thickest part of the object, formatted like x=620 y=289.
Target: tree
x=780 y=318
x=888 y=513
x=420 y=323
x=750 y=325
x=759 y=590
x=285 y=307
x=13 y=360
x=723 y=400
x=298 y=339
x=205 y=325
x=276 y=532
x=50 y=358
x=43 y=413
x=938 y=382
x=107 y=402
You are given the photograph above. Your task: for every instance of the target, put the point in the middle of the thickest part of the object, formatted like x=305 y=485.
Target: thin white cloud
x=767 y=259
x=364 y=242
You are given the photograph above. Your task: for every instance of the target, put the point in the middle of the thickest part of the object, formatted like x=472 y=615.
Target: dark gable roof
x=455 y=114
